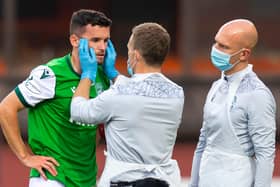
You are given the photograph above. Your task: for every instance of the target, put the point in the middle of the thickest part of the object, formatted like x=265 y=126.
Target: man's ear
x=74 y=40
x=245 y=54
x=137 y=56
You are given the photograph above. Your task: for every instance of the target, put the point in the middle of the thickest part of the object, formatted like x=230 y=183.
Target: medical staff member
x=142 y=113
x=236 y=146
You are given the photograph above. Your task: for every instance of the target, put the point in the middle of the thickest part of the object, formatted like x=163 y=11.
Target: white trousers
x=40 y=182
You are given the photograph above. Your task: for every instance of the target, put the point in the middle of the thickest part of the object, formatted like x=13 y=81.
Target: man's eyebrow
x=98 y=38
x=222 y=45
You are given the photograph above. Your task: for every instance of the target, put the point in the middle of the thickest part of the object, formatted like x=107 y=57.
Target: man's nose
x=102 y=46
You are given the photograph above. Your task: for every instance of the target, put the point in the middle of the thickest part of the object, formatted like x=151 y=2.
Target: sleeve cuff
x=21 y=98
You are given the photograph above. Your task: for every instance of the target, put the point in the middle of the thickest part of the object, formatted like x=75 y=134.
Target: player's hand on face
x=88 y=60
x=41 y=163
x=110 y=60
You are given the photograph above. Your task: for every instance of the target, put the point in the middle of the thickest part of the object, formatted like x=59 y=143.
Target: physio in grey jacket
x=236 y=146
x=142 y=113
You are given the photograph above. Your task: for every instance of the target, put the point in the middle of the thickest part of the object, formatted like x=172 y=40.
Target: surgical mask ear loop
x=130 y=67
x=232 y=65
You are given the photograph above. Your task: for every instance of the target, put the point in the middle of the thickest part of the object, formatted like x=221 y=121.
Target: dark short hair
x=84 y=17
x=152 y=41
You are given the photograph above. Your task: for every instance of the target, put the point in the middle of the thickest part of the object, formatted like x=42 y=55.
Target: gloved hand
x=88 y=60
x=109 y=62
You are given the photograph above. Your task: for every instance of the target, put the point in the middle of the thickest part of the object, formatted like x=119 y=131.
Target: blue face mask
x=129 y=68
x=221 y=60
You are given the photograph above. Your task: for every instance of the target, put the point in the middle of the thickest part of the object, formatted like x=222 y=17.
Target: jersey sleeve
x=39 y=86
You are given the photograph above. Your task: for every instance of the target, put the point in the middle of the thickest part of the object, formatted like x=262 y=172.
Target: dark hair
x=84 y=17
x=152 y=41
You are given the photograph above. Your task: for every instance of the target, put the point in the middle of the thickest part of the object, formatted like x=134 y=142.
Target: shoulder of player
x=59 y=63
x=42 y=72
x=50 y=69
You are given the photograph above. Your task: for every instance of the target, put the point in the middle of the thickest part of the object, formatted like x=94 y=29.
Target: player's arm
x=39 y=86
x=9 y=108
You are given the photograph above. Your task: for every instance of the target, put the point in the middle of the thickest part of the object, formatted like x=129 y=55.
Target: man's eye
x=94 y=40
x=223 y=46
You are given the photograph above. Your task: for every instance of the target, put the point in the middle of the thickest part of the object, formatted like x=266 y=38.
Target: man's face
x=227 y=42
x=98 y=39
